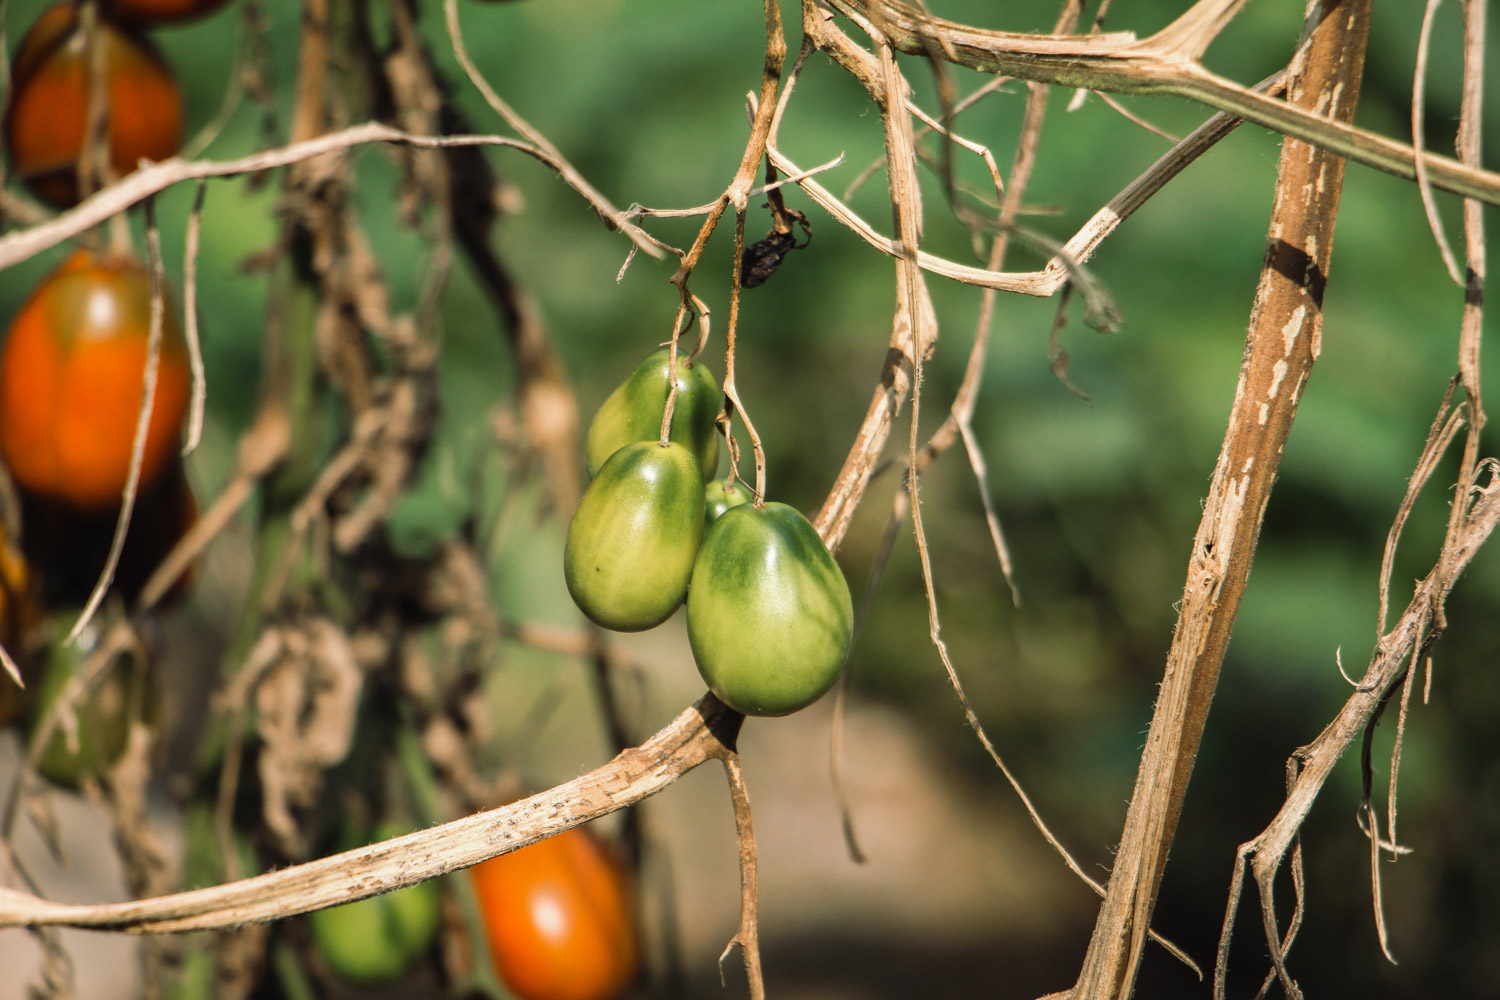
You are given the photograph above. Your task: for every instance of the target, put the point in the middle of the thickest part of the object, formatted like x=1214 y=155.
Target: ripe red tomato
x=560 y=920
x=71 y=377
x=47 y=118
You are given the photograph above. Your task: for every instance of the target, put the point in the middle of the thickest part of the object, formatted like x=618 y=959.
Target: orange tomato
x=71 y=378
x=47 y=118
x=559 y=919
x=157 y=12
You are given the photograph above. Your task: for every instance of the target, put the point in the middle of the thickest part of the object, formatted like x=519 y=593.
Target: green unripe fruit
x=101 y=720
x=769 y=615
x=633 y=413
x=631 y=544
x=379 y=940
x=720 y=495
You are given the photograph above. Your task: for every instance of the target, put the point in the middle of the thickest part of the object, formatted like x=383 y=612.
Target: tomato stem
x=731 y=390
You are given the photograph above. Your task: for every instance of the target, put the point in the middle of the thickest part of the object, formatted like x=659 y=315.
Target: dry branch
x=704 y=731
x=1164 y=63
x=1282 y=344
x=1398 y=651
x=1473 y=516
x=153 y=178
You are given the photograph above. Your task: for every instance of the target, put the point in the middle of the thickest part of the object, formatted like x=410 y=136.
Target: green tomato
x=769 y=615
x=630 y=547
x=720 y=495
x=102 y=719
x=380 y=939
x=633 y=413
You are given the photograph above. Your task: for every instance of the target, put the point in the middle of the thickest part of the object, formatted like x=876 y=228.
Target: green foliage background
x=1099 y=498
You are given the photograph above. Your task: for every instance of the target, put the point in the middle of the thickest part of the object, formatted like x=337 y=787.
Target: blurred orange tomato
x=47 y=118
x=71 y=379
x=559 y=918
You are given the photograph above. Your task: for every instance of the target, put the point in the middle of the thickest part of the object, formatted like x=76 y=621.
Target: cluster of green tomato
x=769 y=615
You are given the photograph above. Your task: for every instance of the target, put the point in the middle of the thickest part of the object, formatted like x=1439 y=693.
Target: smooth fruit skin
x=559 y=919
x=47 y=117
x=633 y=413
x=71 y=375
x=720 y=495
x=769 y=615
x=379 y=940
x=631 y=543
x=101 y=719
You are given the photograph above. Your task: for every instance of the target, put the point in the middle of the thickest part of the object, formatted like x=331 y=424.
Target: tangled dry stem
x=1164 y=63
x=704 y=731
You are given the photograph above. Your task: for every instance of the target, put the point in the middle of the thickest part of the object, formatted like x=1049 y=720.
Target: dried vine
x=335 y=510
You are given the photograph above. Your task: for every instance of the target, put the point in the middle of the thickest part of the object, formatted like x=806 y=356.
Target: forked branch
x=1165 y=63
x=1282 y=344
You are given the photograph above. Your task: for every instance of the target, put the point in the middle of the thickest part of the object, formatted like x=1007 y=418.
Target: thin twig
x=157 y=282
x=190 y=325
x=702 y=732
x=1418 y=138
x=1282 y=343
x=1164 y=63
x=747 y=935
x=1135 y=119
x=250 y=38
x=154 y=178
x=551 y=155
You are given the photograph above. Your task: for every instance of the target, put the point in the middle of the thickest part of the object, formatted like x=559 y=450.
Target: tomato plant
x=560 y=919
x=633 y=412
x=630 y=546
x=47 y=118
x=769 y=614
x=380 y=939
x=96 y=735
x=71 y=381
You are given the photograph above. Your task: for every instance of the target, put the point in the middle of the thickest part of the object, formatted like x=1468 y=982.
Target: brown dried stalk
x=607 y=211
x=156 y=177
x=704 y=731
x=1164 y=63
x=833 y=519
x=190 y=321
x=1474 y=514
x=1418 y=131
x=747 y=935
x=1282 y=344
x=1397 y=653
x=154 y=336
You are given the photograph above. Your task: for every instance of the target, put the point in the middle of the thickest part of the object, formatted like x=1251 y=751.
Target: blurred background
x=1099 y=499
